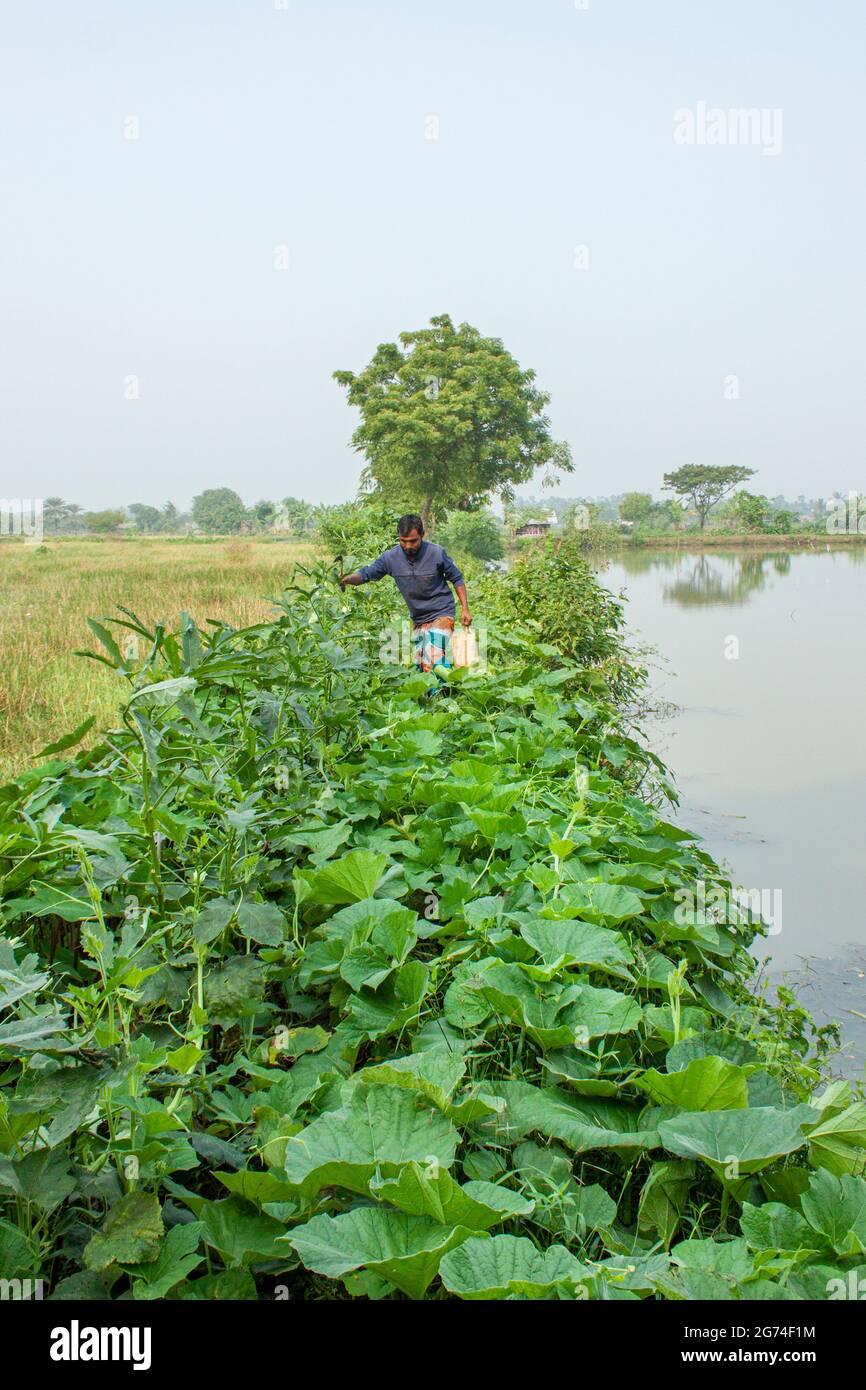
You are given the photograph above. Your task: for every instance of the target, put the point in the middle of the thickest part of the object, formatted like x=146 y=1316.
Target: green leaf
x=729 y=1258
x=735 y=1142
x=838 y=1141
x=34 y=1033
x=176 y=1259
x=564 y=943
x=776 y=1227
x=295 y=1042
x=107 y=641
x=434 y=1074
x=431 y=1191
x=714 y=1043
x=580 y=1122
x=835 y=1207
x=41 y=1177
x=163 y=694
x=263 y=923
x=68 y=740
x=708 y=1083
x=664 y=1197
x=213 y=920
x=349 y=879
x=499 y=1267
x=381 y=1127
x=604 y=903
x=403 y=1249
x=18 y=1259
x=131 y=1233
x=241 y=1234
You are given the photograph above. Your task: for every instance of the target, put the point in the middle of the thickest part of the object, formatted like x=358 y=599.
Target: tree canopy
x=636 y=506
x=704 y=486
x=449 y=417
x=218 y=510
x=475 y=533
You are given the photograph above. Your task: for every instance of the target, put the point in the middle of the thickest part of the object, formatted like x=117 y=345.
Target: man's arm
x=454 y=576
x=367 y=573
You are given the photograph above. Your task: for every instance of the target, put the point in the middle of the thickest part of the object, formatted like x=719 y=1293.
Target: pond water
x=762 y=657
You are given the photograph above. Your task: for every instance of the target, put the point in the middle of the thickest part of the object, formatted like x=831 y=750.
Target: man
x=422 y=572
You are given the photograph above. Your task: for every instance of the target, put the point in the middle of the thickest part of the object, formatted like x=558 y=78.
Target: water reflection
x=749 y=746
x=706 y=579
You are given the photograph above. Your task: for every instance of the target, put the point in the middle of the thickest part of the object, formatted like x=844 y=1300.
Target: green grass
x=47 y=594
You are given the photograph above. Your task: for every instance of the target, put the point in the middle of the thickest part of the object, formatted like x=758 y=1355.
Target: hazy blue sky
x=306 y=127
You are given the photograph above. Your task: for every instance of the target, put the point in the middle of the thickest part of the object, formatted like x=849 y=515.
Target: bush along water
x=313 y=988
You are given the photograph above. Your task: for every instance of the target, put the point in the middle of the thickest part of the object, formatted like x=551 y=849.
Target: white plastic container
x=464 y=647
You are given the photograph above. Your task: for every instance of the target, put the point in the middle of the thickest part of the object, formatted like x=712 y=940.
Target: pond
x=759 y=679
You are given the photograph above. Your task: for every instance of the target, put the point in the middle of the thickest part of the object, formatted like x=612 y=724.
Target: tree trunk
x=426 y=512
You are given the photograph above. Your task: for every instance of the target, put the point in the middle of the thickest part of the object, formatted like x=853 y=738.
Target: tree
x=636 y=507
x=263 y=513
x=751 y=510
x=170 y=518
x=704 y=486
x=102 y=522
x=218 y=510
x=449 y=417
x=55 y=512
x=146 y=518
x=475 y=533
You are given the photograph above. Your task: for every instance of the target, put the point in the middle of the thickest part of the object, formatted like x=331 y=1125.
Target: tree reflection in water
x=708 y=579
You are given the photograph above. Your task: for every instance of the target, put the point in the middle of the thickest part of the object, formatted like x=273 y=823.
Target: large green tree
x=704 y=486
x=449 y=417
x=146 y=518
x=218 y=510
x=636 y=507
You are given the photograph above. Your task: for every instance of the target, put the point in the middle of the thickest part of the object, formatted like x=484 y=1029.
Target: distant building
x=531 y=528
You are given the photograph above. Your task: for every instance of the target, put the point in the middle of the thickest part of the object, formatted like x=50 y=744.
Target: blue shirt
x=422 y=579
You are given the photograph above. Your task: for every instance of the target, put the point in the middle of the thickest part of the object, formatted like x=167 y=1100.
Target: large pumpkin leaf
x=403 y=1249
x=240 y=1233
x=509 y=1267
x=603 y=903
x=838 y=1141
x=707 y=1083
x=736 y=1142
x=580 y=1122
x=382 y=1127
x=776 y=1227
x=564 y=943
x=835 y=1207
x=432 y=1192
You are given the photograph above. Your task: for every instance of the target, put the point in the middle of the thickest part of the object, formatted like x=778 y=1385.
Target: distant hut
x=534 y=527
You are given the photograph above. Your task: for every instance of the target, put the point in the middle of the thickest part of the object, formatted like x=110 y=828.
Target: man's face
x=411 y=544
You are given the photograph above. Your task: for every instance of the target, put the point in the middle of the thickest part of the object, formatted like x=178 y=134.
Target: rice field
x=47 y=593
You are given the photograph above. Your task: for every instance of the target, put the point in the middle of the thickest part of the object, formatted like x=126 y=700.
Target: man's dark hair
x=410 y=522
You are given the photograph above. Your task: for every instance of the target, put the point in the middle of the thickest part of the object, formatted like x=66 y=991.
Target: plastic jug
x=464 y=647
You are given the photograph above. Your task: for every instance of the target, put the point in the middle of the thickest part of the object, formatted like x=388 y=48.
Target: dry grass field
x=46 y=595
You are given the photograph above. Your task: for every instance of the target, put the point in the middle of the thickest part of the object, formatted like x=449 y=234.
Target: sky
x=207 y=206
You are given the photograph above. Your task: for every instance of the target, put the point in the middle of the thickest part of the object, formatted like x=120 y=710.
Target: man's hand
x=466 y=617
x=345 y=579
